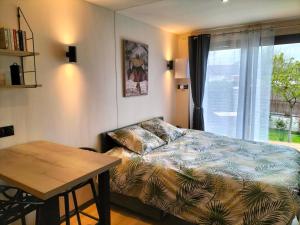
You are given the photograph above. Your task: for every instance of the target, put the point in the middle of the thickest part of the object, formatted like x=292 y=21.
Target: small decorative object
x=15 y=74
x=135 y=68
x=71 y=54
x=182 y=86
x=182 y=69
x=170 y=65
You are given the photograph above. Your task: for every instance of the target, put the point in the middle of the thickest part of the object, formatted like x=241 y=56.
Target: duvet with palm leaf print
x=207 y=179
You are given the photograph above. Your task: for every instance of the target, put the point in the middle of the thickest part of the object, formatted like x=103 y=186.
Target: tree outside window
x=286 y=84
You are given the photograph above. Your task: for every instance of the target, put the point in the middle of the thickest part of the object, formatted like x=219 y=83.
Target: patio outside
x=285 y=101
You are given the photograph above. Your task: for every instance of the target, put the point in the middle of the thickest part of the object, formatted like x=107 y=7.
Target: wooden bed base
x=136 y=206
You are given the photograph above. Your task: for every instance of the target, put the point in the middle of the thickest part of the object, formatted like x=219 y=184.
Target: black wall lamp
x=71 y=54
x=170 y=65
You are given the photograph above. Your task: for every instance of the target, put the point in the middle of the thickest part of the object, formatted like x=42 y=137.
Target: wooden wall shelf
x=17 y=53
x=21 y=54
x=20 y=86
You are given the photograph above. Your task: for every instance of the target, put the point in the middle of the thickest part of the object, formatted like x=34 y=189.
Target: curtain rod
x=246 y=28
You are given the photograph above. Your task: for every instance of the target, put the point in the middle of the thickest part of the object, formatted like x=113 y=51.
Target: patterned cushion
x=136 y=139
x=164 y=130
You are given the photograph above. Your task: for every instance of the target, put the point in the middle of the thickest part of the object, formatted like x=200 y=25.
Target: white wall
x=78 y=101
x=161 y=93
x=183 y=106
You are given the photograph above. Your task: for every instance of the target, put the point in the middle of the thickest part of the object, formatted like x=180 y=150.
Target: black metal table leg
x=104 y=198
x=49 y=212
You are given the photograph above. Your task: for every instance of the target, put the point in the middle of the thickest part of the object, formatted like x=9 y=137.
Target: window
x=240 y=100
x=238 y=84
x=280 y=114
x=222 y=91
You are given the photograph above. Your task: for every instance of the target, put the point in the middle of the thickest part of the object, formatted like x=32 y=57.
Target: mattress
x=208 y=179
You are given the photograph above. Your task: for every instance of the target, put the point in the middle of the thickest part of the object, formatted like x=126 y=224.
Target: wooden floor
x=123 y=217
x=118 y=217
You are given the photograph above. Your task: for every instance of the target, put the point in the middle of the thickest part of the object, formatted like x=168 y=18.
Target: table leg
x=49 y=212
x=104 y=198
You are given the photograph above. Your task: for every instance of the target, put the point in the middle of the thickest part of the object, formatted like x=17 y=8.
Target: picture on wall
x=135 y=68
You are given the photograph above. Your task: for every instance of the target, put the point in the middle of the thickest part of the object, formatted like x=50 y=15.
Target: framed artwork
x=135 y=68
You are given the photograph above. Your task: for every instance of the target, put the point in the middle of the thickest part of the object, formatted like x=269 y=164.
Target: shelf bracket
x=20 y=15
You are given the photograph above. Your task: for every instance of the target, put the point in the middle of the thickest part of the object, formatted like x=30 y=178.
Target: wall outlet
x=7 y=131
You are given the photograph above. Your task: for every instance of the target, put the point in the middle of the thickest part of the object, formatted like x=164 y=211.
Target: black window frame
x=287 y=39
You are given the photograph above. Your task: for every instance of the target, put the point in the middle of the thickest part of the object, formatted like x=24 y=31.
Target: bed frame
x=134 y=204
x=131 y=203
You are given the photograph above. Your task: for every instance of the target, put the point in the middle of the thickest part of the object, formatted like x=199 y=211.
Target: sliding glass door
x=238 y=85
x=285 y=102
x=222 y=91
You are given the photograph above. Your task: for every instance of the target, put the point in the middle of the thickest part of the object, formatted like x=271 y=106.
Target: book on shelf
x=12 y=39
x=21 y=45
x=3 y=39
x=15 y=39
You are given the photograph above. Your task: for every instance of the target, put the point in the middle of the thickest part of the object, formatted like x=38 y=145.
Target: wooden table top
x=46 y=169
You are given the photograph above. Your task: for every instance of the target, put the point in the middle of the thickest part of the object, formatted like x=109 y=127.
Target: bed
x=202 y=178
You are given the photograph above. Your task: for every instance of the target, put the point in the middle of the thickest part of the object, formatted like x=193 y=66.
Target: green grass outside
x=282 y=135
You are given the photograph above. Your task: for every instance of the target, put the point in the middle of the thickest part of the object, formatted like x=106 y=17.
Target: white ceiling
x=121 y=4
x=180 y=16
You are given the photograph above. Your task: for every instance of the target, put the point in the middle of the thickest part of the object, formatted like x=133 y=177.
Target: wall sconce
x=170 y=65
x=71 y=54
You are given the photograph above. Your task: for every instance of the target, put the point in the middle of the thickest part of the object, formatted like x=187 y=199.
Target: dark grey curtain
x=198 y=53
